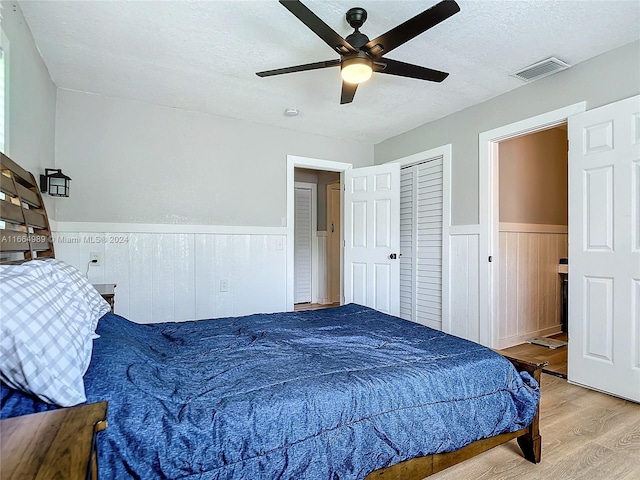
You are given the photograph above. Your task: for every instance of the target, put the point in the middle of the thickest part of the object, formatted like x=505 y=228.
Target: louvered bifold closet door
x=302 y=247
x=407 y=235
x=428 y=284
x=421 y=243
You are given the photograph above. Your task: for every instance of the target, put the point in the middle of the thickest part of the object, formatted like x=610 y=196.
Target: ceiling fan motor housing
x=357 y=39
x=356 y=17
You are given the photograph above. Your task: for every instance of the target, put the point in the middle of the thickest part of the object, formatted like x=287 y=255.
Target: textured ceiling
x=203 y=56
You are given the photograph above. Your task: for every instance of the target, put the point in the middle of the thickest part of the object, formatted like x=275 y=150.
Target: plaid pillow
x=70 y=278
x=44 y=335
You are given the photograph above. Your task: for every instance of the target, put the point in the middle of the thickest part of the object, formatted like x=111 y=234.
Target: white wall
x=164 y=277
x=200 y=199
x=604 y=79
x=533 y=178
x=31 y=101
x=135 y=162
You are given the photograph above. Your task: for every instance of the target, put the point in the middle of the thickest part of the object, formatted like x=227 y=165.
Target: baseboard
x=520 y=339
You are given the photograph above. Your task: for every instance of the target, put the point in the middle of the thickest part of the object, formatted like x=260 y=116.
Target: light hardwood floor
x=585 y=434
x=300 y=307
x=557 y=357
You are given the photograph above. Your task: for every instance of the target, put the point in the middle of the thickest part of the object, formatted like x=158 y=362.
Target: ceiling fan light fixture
x=356 y=69
x=358 y=54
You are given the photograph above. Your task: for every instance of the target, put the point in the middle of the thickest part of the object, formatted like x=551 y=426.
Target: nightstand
x=108 y=292
x=56 y=444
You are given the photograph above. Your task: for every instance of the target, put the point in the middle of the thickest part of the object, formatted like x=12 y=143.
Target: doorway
x=369 y=268
x=316 y=230
x=533 y=235
x=311 y=168
x=510 y=284
x=489 y=269
x=305 y=244
x=533 y=241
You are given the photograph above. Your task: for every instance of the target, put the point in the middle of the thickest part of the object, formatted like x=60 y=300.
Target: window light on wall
x=2 y=102
x=5 y=87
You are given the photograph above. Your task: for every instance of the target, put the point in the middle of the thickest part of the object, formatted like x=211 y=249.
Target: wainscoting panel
x=183 y=276
x=464 y=286
x=530 y=302
x=141 y=263
x=118 y=266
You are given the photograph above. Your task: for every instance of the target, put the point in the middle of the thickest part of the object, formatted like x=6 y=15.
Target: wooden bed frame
x=28 y=235
x=528 y=438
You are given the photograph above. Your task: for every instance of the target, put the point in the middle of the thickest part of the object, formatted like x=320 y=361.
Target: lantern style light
x=55 y=183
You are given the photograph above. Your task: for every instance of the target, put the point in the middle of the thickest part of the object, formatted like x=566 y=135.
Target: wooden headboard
x=25 y=233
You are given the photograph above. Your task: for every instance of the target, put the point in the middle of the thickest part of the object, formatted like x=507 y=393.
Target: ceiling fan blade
x=395 y=67
x=411 y=28
x=348 y=92
x=300 y=68
x=324 y=31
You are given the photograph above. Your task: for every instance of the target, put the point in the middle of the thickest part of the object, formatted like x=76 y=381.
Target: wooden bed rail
x=529 y=440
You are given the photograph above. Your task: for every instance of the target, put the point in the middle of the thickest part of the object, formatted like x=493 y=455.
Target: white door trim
x=489 y=202
x=330 y=273
x=314 y=236
x=313 y=164
x=444 y=151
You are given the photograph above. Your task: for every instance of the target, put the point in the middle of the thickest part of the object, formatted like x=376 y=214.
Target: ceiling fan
x=359 y=56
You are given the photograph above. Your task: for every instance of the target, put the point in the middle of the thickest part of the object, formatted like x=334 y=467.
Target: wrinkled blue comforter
x=329 y=394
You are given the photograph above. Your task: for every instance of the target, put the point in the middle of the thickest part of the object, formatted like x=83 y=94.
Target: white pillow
x=45 y=335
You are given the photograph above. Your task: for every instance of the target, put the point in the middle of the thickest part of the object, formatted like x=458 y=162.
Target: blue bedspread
x=329 y=394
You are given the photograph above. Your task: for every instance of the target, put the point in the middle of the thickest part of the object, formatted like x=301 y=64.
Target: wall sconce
x=55 y=183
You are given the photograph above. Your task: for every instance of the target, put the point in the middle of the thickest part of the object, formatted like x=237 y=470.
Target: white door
x=604 y=249
x=302 y=233
x=372 y=237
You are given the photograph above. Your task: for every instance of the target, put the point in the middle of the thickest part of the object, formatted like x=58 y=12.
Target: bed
x=342 y=393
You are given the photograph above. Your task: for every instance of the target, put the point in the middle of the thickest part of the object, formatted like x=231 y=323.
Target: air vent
x=541 y=69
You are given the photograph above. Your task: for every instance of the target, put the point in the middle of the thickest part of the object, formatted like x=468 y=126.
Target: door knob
x=393 y=256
